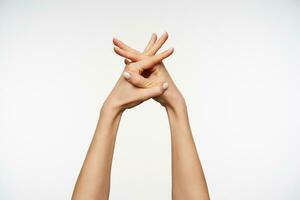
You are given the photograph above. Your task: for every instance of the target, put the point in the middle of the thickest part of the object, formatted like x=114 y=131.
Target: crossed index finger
x=152 y=60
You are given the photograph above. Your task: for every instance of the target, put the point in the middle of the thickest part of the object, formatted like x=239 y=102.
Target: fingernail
x=126 y=75
x=165 y=85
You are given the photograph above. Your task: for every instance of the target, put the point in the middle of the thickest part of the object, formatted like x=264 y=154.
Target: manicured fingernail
x=165 y=85
x=126 y=75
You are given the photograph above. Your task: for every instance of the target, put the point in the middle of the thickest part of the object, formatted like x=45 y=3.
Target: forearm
x=94 y=179
x=188 y=181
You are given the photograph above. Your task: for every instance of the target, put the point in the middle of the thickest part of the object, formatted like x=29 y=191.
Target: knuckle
x=155 y=59
x=136 y=80
x=143 y=56
x=147 y=84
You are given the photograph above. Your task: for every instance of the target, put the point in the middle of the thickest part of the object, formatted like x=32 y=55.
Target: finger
x=136 y=79
x=152 y=60
x=158 y=44
x=127 y=54
x=122 y=45
x=126 y=61
x=154 y=91
x=151 y=42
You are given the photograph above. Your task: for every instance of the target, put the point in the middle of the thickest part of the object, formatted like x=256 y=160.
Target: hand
x=170 y=98
x=125 y=95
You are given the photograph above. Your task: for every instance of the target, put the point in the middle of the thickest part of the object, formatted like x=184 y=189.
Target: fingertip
x=167 y=53
x=165 y=85
x=114 y=40
x=166 y=34
x=126 y=75
x=119 y=51
x=116 y=49
x=126 y=61
x=154 y=35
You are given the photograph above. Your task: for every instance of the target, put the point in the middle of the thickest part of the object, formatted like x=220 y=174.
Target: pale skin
x=144 y=77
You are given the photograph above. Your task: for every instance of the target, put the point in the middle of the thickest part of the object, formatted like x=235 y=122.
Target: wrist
x=176 y=107
x=110 y=107
x=174 y=100
x=110 y=112
x=108 y=121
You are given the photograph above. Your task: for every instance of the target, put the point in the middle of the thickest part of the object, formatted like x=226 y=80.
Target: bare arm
x=188 y=180
x=94 y=179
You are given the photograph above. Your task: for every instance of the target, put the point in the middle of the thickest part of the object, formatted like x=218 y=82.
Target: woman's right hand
x=170 y=98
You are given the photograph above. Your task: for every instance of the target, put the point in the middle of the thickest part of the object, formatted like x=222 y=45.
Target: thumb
x=154 y=91
x=136 y=79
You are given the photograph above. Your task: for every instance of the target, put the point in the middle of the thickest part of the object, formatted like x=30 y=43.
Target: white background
x=236 y=62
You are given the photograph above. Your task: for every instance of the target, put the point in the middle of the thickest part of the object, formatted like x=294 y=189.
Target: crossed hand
x=144 y=76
